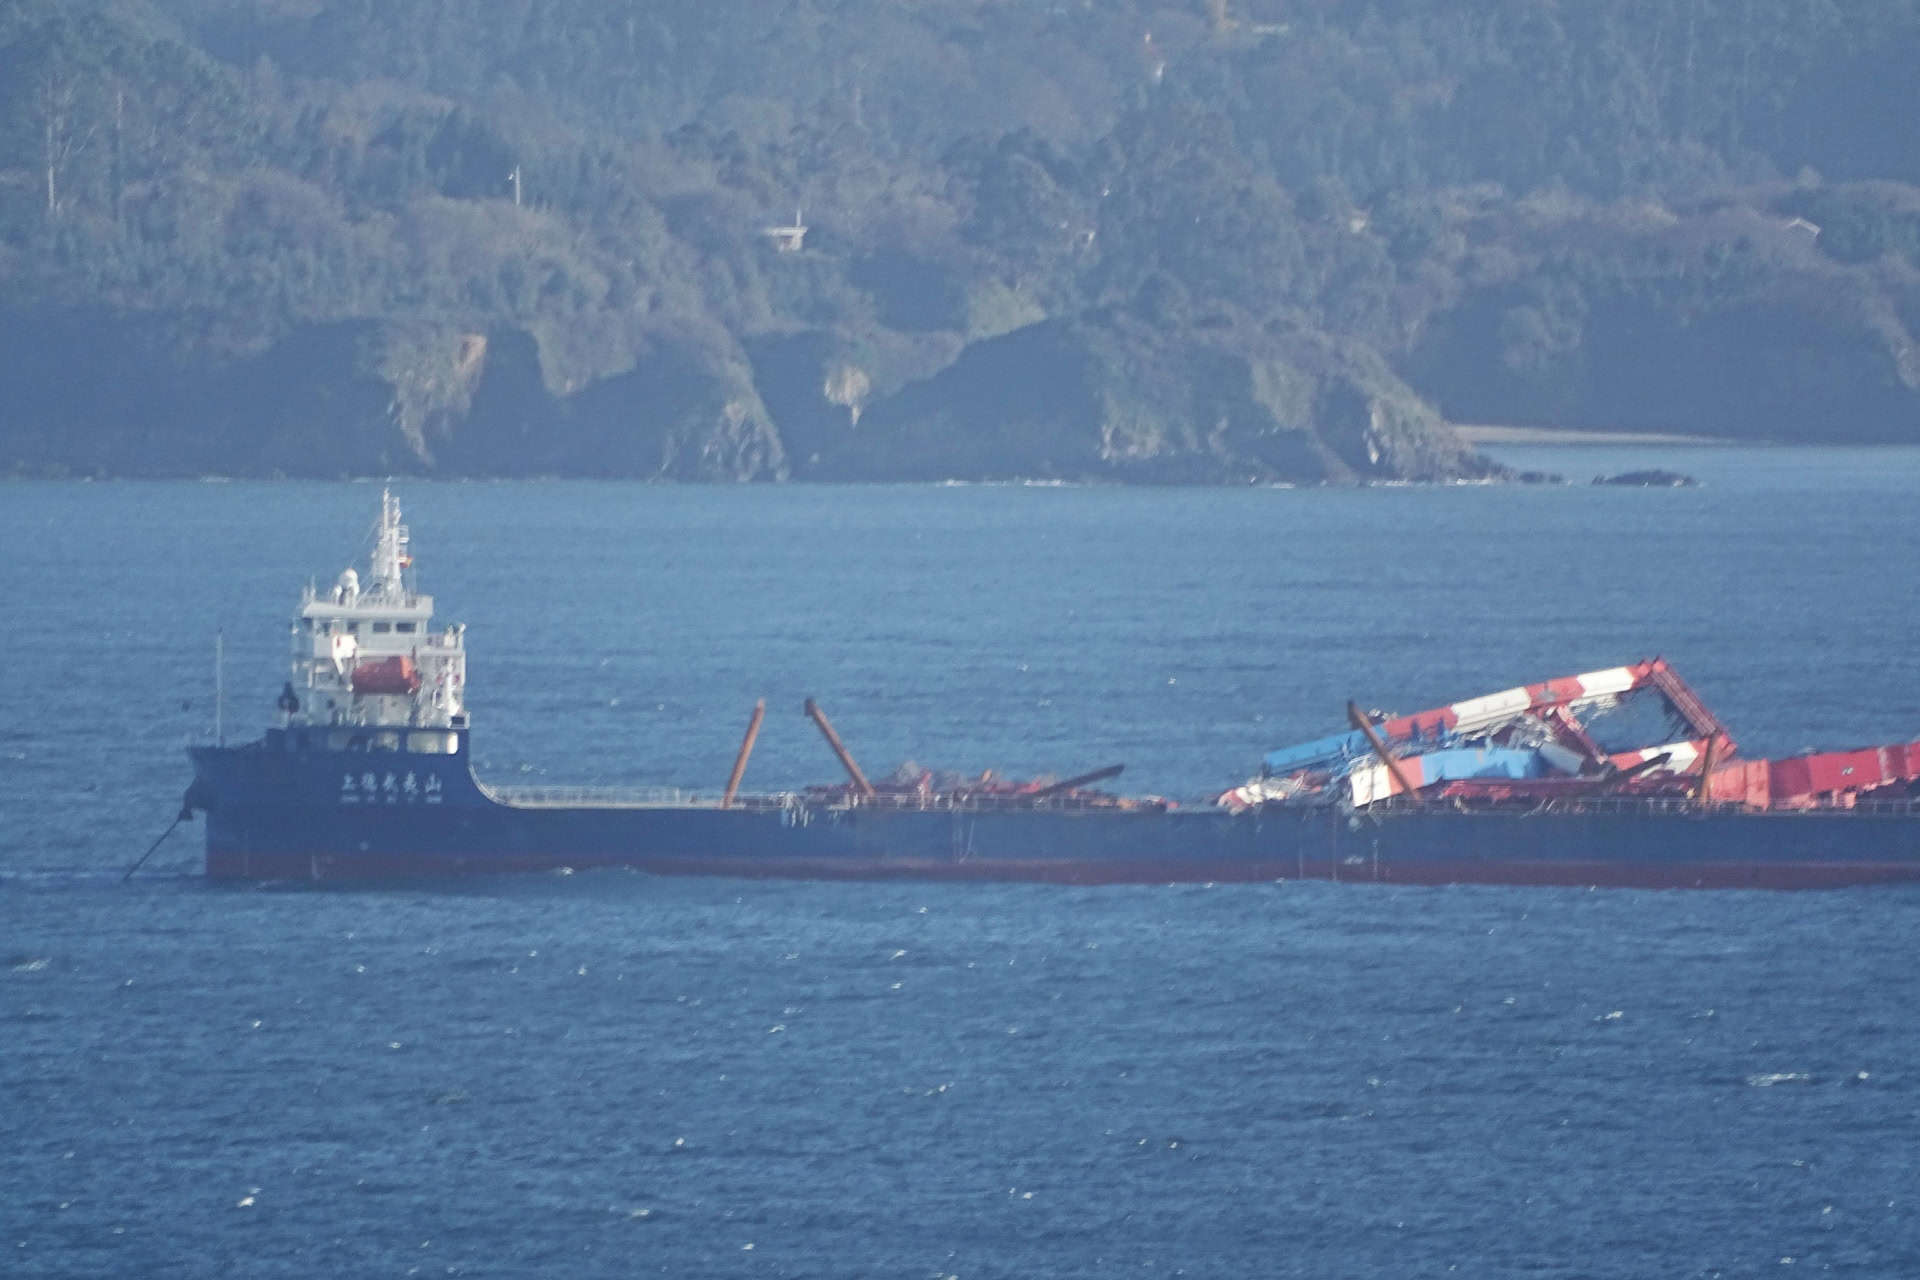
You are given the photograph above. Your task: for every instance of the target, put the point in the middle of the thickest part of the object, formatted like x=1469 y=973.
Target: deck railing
x=600 y=797
x=1650 y=805
x=537 y=797
x=965 y=802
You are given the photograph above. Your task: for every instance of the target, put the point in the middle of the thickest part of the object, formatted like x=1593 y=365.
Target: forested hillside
x=1216 y=240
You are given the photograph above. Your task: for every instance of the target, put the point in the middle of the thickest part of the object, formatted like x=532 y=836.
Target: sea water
x=608 y=1074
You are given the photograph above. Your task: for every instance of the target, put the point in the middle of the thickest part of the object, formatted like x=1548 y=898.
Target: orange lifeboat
x=395 y=675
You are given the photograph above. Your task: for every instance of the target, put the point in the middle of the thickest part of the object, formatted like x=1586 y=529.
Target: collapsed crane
x=1572 y=738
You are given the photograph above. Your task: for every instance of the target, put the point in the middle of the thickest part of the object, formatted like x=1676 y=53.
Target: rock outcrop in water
x=1651 y=478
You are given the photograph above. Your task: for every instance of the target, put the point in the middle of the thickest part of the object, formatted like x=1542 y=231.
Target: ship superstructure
x=365 y=654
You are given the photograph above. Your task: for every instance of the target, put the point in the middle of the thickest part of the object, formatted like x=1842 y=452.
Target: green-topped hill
x=1210 y=242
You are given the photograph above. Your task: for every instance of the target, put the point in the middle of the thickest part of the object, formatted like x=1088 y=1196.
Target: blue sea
x=608 y=1074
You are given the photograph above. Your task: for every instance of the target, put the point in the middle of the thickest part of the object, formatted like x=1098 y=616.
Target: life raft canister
x=394 y=675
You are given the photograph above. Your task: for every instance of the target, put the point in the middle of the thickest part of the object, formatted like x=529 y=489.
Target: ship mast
x=390 y=558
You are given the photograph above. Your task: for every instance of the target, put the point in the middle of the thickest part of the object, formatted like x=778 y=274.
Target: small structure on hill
x=790 y=238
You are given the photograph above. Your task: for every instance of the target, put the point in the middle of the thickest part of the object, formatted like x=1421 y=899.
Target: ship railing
x=566 y=797
x=977 y=802
x=1889 y=807
x=602 y=797
x=1648 y=805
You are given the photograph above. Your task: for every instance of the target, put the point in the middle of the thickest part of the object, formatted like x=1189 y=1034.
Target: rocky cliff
x=1114 y=395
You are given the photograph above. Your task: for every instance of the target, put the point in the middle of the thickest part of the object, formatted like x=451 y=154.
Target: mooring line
x=179 y=818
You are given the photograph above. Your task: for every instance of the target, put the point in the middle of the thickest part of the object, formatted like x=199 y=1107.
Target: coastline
x=1483 y=434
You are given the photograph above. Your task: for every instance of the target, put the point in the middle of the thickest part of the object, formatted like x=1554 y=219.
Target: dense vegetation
x=1207 y=240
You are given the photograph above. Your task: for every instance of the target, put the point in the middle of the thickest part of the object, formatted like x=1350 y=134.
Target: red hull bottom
x=332 y=868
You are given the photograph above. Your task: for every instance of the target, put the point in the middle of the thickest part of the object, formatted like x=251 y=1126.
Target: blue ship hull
x=277 y=810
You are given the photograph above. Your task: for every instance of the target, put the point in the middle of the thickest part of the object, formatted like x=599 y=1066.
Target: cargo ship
x=1620 y=777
